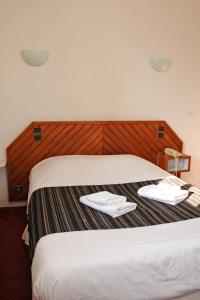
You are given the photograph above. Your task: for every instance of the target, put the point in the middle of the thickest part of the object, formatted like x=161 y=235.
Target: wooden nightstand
x=169 y=163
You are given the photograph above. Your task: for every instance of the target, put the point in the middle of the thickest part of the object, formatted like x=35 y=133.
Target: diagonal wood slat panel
x=83 y=137
x=47 y=148
x=148 y=139
x=140 y=143
x=32 y=150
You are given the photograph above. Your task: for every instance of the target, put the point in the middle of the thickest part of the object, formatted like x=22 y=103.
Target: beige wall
x=98 y=67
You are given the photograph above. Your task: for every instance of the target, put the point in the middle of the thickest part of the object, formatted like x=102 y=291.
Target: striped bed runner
x=57 y=209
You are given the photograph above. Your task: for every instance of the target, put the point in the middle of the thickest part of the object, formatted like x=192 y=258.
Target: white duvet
x=153 y=262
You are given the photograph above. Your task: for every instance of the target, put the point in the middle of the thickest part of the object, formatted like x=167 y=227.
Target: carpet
x=15 y=275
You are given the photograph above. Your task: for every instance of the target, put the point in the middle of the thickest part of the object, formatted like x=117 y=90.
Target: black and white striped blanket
x=57 y=209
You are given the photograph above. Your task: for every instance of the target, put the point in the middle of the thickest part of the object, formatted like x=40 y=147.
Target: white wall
x=98 y=67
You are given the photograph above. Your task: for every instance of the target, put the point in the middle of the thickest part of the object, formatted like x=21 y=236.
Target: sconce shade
x=34 y=58
x=160 y=64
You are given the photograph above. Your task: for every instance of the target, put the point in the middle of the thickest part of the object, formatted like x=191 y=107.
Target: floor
x=15 y=276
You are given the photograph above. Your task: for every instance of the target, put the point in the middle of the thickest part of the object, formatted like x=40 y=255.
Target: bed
x=78 y=253
x=123 y=260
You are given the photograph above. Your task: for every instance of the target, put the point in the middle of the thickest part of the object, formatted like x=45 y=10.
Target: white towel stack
x=164 y=192
x=108 y=203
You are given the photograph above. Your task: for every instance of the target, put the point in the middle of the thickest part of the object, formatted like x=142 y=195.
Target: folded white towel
x=164 y=192
x=115 y=208
x=163 y=186
x=104 y=198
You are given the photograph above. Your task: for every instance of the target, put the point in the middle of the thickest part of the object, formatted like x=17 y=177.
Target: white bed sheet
x=92 y=169
x=154 y=262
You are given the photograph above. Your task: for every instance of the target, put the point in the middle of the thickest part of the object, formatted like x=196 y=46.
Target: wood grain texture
x=83 y=137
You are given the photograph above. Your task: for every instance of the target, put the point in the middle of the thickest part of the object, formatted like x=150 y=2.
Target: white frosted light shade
x=34 y=58
x=160 y=64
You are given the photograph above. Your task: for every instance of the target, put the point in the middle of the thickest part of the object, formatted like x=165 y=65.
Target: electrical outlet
x=161 y=132
x=18 y=188
x=37 y=133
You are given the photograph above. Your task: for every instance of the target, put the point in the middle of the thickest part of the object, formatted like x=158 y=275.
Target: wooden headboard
x=45 y=139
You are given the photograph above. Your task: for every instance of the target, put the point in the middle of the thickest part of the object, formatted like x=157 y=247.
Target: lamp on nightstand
x=174 y=164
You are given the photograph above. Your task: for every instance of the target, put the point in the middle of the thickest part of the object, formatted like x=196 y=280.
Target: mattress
x=73 y=265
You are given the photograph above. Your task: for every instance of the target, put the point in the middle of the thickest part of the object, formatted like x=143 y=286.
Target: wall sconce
x=160 y=64
x=34 y=58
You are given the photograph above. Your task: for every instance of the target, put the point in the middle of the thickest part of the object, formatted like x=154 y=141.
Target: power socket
x=18 y=188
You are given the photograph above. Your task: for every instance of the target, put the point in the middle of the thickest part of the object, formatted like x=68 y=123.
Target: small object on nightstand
x=2 y=163
x=174 y=164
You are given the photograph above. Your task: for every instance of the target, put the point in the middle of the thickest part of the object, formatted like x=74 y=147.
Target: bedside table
x=174 y=165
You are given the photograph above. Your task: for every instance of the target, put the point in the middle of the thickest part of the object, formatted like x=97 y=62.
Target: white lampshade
x=160 y=64
x=34 y=58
